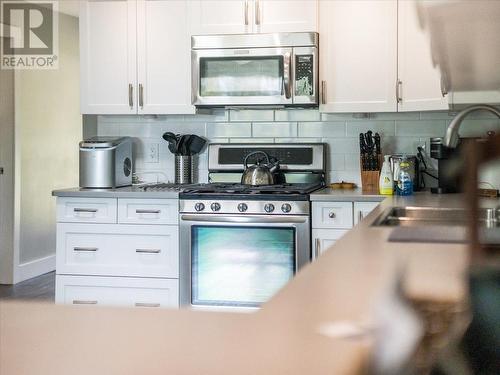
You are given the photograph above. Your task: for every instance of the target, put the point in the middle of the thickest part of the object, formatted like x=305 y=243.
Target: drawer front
x=118 y=250
x=332 y=215
x=117 y=291
x=324 y=239
x=86 y=210
x=363 y=209
x=148 y=211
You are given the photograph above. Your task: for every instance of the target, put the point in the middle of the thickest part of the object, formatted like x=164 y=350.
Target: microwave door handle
x=287 y=68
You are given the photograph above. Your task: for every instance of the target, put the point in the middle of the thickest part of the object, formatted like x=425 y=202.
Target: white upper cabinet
x=420 y=81
x=135 y=57
x=221 y=16
x=163 y=46
x=358 y=56
x=108 y=57
x=272 y=16
x=252 y=16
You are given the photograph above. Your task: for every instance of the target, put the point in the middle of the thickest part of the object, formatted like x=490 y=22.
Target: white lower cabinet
x=362 y=209
x=323 y=239
x=117 y=291
x=127 y=258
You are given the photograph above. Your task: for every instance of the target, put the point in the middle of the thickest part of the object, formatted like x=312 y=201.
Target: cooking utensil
x=172 y=141
x=259 y=173
x=196 y=144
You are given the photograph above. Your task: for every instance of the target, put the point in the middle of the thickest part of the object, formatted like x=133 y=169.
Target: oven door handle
x=246 y=219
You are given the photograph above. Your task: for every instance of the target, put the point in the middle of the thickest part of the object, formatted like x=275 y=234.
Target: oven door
x=240 y=77
x=231 y=261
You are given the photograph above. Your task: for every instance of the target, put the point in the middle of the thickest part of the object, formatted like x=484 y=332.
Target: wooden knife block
x=370 y=179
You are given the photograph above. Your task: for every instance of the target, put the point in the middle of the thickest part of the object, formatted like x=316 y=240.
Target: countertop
x=291 y=334
x=123 y=192
x=344 y=195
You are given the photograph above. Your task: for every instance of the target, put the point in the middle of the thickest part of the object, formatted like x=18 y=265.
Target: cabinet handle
x=86 y=210
x=317 y=244
x=85 y=249
x=444 y=88
x=399 y=91
x=360 y=216
x=142 y=304
x=246 y=12
x=130 y=95
x=147 y=211
x=257 y=12
x=83 y=302
x=141 y=95
x=332 y=215
x=148 y=251
x=1 y=170
x=323 y=92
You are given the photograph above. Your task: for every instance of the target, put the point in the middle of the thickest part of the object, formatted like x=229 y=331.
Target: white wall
x=400 y=132
x=48 y=128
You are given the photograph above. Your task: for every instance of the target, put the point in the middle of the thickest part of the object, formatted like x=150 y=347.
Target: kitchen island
x=346 y=286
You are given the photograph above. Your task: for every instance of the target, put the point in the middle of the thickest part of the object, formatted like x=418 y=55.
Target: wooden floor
x=41 y=288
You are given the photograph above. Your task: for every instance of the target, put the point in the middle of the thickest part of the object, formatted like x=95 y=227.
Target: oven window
x=241 y=76
x=240 y=266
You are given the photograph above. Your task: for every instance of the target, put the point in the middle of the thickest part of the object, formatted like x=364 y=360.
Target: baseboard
x=35 y=268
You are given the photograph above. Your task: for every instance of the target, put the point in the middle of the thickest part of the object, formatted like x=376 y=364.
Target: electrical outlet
x=152 y=153
x=418 y=144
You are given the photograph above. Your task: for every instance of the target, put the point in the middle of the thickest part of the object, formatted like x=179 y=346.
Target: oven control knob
x=215 y=207
x=199 y=207
x=286 y=208
x=242 y=207
x=269 y=208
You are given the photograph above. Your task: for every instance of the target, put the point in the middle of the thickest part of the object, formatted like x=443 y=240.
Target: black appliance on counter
x=448 y=182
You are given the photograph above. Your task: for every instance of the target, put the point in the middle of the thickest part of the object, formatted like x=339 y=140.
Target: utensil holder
x=370 y=179
x=184 y=169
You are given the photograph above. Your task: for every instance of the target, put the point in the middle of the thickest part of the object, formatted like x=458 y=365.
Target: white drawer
x=118 y=250
x=332 y=215
x=86 y=210
x=148 y=211
x=117 y=291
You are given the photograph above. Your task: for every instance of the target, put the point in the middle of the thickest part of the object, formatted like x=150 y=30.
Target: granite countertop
x=339 y=195
x=292 y=334
x=123 y=192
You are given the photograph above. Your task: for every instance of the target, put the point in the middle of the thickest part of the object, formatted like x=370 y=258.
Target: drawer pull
x=85 y=249
x=83 y=302
x=142 y=304
x=148 y=251
x=147 y=211
x=332 y=215
x=86 y=210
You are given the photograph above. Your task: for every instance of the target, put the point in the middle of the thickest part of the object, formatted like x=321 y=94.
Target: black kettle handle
x=245 y=163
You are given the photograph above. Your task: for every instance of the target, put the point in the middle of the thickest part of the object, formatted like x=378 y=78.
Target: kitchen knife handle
x=131 y=95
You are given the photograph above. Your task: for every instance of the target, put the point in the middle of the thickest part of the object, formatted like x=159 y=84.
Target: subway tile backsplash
x=401 y=133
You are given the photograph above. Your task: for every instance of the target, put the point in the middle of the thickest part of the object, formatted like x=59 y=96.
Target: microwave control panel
x=304 y=75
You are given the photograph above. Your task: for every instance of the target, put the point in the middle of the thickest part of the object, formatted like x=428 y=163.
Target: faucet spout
x=451 y=137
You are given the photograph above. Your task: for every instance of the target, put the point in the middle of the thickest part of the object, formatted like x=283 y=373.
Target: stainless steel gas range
x=240 y=244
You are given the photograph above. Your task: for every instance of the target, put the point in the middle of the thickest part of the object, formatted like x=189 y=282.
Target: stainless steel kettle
x=259 y=173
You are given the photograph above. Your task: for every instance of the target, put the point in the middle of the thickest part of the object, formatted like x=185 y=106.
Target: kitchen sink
x=422 y=216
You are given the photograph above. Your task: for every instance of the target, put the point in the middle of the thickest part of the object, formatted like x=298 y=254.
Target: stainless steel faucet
x=451 y=137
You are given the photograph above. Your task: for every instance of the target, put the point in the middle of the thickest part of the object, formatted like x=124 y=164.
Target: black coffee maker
x=448 y=182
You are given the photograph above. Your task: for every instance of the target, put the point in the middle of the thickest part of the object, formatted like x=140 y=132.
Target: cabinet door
x=108 y=57
x=323 y=239
x=273 y=16
x=164 y=64
x=358 y=56
x=420 y=81
x=221 y=16
x=362 y=209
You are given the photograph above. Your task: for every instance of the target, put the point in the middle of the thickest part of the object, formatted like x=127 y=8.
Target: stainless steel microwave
x=245 y=70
